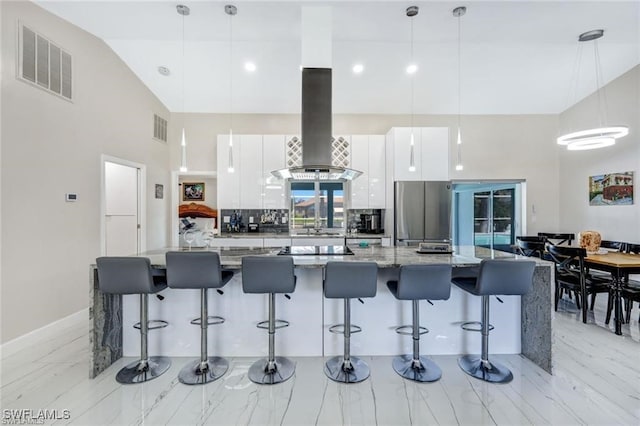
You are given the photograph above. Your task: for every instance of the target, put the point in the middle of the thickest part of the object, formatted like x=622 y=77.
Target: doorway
x=122 y=207
x=488 y=214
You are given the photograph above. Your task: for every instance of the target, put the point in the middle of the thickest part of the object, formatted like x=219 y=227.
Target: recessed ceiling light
x=249 y=66
x=164 y=71
x=412 y=69
x=358 y=68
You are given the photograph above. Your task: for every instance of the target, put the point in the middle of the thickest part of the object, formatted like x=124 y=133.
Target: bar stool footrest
x=279 y=324
x=339 y=329
x=211 y=320
x=153 y=324
x=474 y=326
x=407 y=330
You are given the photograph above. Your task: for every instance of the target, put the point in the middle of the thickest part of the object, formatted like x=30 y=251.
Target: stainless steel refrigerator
x=422 y=212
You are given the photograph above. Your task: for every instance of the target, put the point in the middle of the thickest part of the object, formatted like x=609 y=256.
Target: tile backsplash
x=267 y=220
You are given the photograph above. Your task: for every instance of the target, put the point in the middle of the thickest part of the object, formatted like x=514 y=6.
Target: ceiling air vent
x=44 y=64
x=159 y=128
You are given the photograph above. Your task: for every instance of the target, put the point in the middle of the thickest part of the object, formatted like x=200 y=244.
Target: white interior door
x=122 y=225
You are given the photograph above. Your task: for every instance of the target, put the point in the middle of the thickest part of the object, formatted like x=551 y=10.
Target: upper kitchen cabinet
x=251 y=185
x=368 y=156
x=228 y=182
x=251 y=172
x=435 y=153
x=430 y=153
x=273 y=158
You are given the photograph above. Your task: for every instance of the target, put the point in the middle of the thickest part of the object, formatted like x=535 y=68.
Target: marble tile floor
x=597 y=381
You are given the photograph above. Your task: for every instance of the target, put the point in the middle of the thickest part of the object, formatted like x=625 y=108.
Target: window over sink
x=317 y=205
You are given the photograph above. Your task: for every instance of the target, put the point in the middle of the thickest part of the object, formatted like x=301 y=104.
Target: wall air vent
x=159 y=128
x=44 y=64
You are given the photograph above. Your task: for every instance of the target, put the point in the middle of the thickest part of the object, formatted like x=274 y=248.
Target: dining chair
x=571 y=275
x=631 y=288
x=558 y=238
x=530 y=247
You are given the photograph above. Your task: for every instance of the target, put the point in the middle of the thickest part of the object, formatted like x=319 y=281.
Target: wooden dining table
x=619 y=265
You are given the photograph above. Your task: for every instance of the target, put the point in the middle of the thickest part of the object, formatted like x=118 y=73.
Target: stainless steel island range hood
x=316 y=132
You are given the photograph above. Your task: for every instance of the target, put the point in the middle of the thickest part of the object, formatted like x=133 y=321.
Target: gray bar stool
x=269 y=275
x=199 y=270
x=496 y=277
x=419 y=282
x=133 y=275
x=348 y=280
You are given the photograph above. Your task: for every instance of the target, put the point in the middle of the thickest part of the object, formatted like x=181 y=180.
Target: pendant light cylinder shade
x=230 y=168
x=458 y=12
x=412 y=160
x=183 y=152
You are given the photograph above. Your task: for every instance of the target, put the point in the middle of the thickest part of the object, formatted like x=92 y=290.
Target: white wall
x=495 y=147
x=51 y=146
x=613 y=222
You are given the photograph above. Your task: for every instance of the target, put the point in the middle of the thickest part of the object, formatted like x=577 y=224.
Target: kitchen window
x=318 y=205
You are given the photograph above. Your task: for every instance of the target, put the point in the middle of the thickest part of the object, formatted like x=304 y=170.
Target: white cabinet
x=276 y=242
x=236 y=242
x=377 y=172
x=273 y=158
x=228 y=182
x=435 y=153
x=317 y=241
x=430 y=153
x=360 y=186
x=368 y=156
x=250 y=171
x=251 y=185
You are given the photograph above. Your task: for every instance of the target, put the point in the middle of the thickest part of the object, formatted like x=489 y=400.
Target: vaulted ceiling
x=517 y=57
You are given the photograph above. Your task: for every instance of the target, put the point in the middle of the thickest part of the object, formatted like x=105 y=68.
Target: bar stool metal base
x=259 y=372
x=193 y=374
x=335 y=370
x=137 y=373
x=426 y=371
x=494 y=372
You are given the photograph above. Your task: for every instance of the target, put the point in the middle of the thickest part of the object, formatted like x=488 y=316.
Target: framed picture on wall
x=612 y=189
x=159 y=191
x=193 y=191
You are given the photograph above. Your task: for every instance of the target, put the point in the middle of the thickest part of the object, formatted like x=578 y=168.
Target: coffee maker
x=371 y=223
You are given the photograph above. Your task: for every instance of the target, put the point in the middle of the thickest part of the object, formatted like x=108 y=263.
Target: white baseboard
x=33 y=337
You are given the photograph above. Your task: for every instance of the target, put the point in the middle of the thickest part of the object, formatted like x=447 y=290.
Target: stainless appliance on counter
x=371 y=223
x=422 y=212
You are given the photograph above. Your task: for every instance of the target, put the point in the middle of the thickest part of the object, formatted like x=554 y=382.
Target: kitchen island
x=523 y=325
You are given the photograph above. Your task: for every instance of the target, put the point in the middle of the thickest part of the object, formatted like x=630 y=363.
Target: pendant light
x=604 y=135
x=458 y=12
x=411 y=70
x=184 y=11
x=230 y=10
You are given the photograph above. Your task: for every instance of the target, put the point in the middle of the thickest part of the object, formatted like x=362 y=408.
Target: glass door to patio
x=493 y=218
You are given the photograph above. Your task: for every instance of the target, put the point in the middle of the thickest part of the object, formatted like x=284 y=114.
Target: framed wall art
x=159 y=191
x=611 y=189
x=193 y=191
